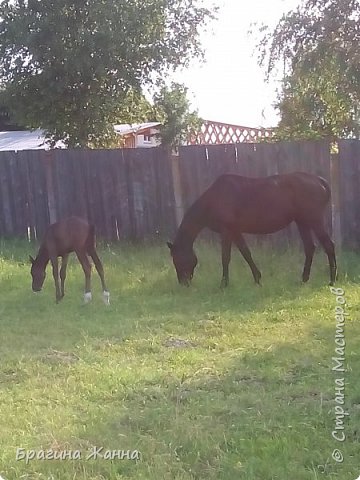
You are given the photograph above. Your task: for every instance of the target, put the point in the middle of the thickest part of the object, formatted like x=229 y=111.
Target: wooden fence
x=214 y=133
x=138 y=193
x=126 y=193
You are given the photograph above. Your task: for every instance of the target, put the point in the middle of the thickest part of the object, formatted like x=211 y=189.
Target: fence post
x=335 y=199
x=178 y=194
x=48 y=163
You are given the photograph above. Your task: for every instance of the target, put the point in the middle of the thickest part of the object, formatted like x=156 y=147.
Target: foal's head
x=185 y=262
x=38 y=275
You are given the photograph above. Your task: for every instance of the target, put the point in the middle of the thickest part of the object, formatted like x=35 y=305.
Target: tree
x=318 y=45
x=68 y=67
x=172 y=109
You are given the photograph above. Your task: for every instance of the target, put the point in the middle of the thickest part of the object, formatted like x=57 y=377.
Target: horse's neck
x=42 y=257
x=190 y=227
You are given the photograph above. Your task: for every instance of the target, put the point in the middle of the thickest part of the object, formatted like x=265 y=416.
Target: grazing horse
x=234 y=205
x=71 y=234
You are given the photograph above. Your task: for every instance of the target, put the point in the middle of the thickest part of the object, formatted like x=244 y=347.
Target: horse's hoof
x=87 y=297
x=223 y=284
x=106 y=297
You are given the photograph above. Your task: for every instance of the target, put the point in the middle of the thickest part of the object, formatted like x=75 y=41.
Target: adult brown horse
x=234 y=205
x=71 y=234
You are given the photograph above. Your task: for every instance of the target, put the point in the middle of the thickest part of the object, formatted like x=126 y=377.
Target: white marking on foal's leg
x=106 y=297
x=87 y=297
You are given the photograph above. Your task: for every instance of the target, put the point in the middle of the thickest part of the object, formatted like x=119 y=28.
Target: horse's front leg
x=225 y=258
x=86 y=266
x=55 y=270
x=64 y=263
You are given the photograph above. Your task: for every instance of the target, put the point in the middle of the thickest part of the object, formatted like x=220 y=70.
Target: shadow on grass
x=257 y=415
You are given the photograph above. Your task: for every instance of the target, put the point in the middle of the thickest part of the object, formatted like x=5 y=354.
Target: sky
x=230 y=87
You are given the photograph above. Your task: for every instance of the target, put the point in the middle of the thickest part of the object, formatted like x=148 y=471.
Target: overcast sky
x=230 y=87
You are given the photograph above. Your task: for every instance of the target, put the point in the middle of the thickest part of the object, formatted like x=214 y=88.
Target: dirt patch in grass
x=178 y=343
x=56 y=356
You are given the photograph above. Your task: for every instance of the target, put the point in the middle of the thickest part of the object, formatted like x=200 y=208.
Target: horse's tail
x=326 y=186
x=91 y=238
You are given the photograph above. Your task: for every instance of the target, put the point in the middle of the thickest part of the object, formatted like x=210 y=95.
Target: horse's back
x=69 y=234
x=265 y=204
x=303 y=185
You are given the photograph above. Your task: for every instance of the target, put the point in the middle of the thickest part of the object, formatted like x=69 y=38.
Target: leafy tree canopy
x=73 y=68
x=318 y=47
x=172 y=109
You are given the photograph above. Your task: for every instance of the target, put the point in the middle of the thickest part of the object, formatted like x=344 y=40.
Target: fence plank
x=349 y=187
x=7 y=213
x=37 y=185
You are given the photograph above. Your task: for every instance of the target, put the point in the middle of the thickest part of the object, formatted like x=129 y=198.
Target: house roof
x=25 y=140
x=16 y=140
x=128 y=128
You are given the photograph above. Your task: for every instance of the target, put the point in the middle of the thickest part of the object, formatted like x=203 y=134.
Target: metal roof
x=25 y=140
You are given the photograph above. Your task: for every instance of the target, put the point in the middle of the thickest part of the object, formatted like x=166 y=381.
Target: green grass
x=205 y=384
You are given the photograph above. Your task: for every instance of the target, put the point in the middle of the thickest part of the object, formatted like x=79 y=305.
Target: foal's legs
x=328 y=246
x=86 y=266
x=64 y=262
x=100 y=269
x=55 y=270
x=309 y=248
x=225 y=257
x=245 y=252
x=98 y=266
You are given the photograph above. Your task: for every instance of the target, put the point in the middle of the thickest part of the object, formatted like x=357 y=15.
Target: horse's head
x=185 y=262
x=38 y=275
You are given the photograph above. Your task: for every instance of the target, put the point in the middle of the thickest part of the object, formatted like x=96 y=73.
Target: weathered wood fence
x=126 y=193
x=139 y=193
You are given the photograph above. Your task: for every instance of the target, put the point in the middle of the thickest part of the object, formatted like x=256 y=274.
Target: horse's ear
x=31 y=259
x=170 y=245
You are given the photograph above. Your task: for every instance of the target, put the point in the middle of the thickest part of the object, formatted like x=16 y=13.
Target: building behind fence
x=139 y=193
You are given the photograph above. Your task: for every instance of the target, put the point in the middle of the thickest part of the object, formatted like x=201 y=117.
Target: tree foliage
x=172 y=108
x=69 y=67
x=318 y=46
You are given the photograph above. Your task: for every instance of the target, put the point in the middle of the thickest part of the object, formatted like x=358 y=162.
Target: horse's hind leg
x=55 y=270
x=64 y=262
x=309 y=248
x=86 y=266
x=245 y=252
x=328 y=246
x=100 y=269
x=225 y=258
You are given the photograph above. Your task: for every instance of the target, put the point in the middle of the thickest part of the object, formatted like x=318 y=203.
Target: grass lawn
x=205 y=384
